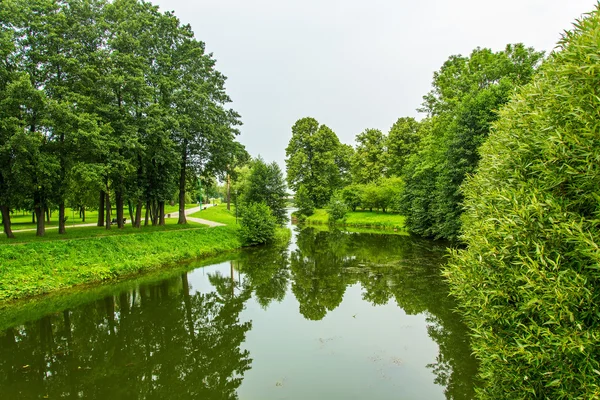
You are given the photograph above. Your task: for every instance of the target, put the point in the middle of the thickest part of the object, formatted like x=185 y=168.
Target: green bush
x=304 y=203
x=352 y=196
x=258 y=224
x=529 y=281
x=336 y=209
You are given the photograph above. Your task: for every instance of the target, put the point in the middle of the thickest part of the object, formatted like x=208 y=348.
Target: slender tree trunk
x=131 y=212
x=6 y=222
x=154 y=213
x=182 y=219
x=119 y=201
x=228 y=192
x=138 y=214
x=82 y=214
x=61 y=218
x=47 y=214
x=101 y=208
x=33 y=217
x=41 y=224
x=107 y=203
x=147 y=213
x=161 y=213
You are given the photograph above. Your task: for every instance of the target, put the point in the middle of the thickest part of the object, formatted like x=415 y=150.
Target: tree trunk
x=154 y=212
x=182 y=220
x=41 y=224
x=101 y=209
x=131 y=212
x=228 y=192
x=82 y=214
x=161 y=213
x=138 y=214
x=33 y=217
x=6 y=222
x=147 y=213
x=61 y=218
x=119 y=201
x=47 y=214
x=107 y=206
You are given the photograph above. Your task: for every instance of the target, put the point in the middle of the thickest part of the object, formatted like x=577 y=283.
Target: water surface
x=332 y=316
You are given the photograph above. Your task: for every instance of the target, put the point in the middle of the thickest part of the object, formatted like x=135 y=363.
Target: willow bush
x=529 y=280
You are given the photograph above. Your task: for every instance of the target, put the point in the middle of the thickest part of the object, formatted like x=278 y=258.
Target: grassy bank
x=41 y=267
x=218 y=213
x=362 y=219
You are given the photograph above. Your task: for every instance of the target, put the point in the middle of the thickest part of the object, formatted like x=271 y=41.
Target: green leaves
x=528 y=282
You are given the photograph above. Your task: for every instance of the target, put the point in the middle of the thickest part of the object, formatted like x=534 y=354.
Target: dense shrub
x=352 y=196
x=258 y=224
x=529 y=281
x=304 y=203
x=336 y=208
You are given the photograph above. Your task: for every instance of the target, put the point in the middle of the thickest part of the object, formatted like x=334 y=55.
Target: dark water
x=333 y=316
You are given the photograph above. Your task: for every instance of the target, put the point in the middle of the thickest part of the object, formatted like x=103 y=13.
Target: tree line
x=417 y=168
x=112 y=105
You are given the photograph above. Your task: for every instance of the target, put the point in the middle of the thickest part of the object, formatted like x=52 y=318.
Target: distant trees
x=529 y=282
x=316 y=159
x=115 y=98
x=266 y=185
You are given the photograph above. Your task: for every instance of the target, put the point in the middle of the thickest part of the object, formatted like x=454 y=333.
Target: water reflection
x=169 y=339
x=154 y=342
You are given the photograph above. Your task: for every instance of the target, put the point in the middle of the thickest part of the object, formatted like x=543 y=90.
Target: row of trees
x=106 y=103
x=428 y=159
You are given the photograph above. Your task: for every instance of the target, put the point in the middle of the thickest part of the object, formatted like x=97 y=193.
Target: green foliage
x=352 y=196
x=529 y=281
x=462 y=105
x=369 y=160
x=304 y=203
x=401 y=142
x=316 y=159
x=258 y=225
x=266 y=185
x=336 y=209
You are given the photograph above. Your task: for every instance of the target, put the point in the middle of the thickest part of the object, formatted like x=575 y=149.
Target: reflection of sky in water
x=325 y=338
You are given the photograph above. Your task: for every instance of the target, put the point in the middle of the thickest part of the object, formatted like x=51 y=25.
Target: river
x=334 y=315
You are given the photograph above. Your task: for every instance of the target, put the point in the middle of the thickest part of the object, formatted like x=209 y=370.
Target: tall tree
x=402 y=141
x=463 y=103
x=267 y=185
x=369 y=160
x=313 y=157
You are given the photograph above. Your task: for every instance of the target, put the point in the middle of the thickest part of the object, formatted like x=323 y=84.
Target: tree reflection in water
x=165 y=340
x=155 y=342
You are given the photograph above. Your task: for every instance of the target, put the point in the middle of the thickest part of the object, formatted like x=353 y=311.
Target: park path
x=189 y=211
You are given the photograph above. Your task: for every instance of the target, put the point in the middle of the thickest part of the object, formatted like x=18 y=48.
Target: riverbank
x=361 y=219
x=41 y=267
x=90 y=255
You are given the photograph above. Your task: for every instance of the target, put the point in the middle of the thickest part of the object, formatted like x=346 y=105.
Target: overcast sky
x=352 y=64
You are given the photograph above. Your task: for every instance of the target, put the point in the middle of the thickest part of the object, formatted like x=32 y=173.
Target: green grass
x=22 y=219
x=217 y=214
x=362 y=219
x=40 y=267
x=83 y=232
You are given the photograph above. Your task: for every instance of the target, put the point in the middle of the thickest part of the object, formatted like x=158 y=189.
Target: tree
x=528 y=282
x=402 y=141
x=304 y=203
x=461 y=106
x=314 y=156
x=336 y=209
x=266 y=185
x=369 y=159
x=258 y=225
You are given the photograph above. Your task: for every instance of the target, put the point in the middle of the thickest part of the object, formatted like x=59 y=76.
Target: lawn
x=22 y=219
x=95 y=231
x=217 y=213
x=367 y=219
